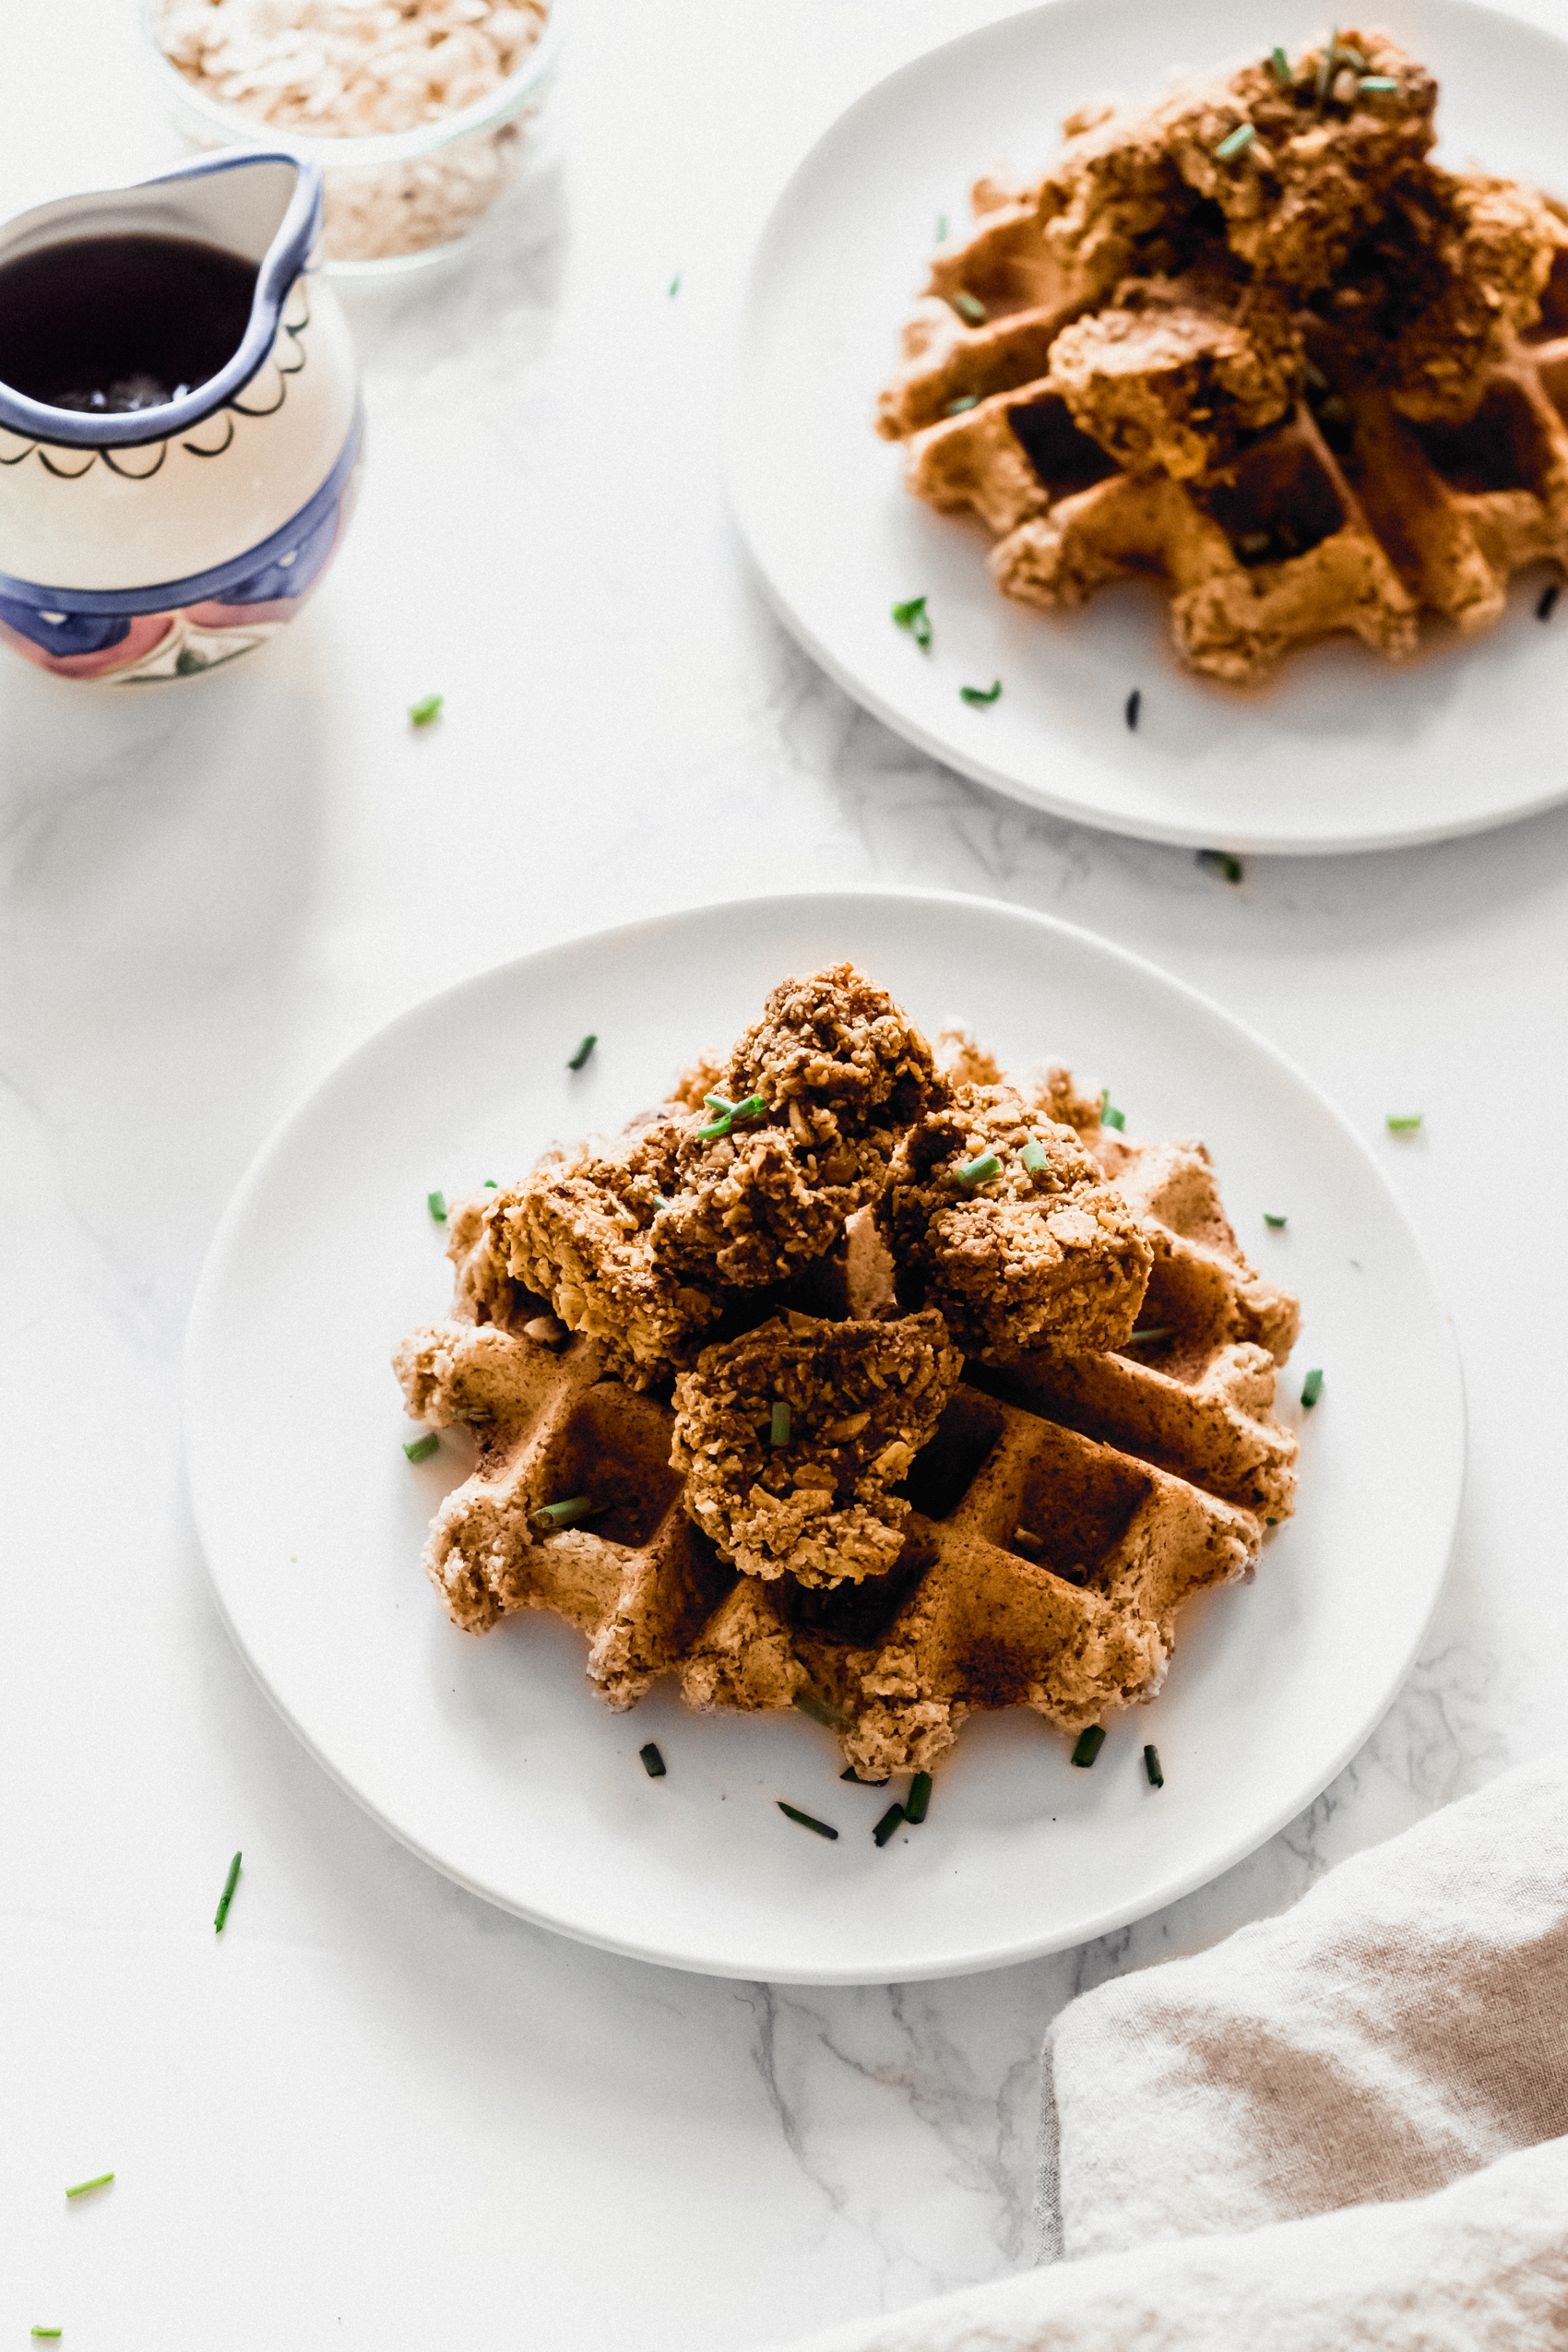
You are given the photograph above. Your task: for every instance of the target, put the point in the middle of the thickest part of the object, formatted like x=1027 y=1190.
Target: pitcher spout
x=247 y=225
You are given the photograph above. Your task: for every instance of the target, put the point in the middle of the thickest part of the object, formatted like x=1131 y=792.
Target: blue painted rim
x=280 y=265
x=196 y=587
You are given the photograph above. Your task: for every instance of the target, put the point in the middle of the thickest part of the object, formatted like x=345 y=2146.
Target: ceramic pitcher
x=164 y=540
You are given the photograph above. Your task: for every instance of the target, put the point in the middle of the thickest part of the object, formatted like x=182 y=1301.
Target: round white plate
x=494 y=1759
x=1343 y=752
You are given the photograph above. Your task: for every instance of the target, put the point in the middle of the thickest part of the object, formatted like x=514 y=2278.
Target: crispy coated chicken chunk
x=579 y=1232
x=1005 y=1225
x=1171 y=382
x=816 y=1504
x=1430 y=300
x=821 y=1089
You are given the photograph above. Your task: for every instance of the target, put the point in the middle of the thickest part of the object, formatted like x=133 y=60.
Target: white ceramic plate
x=493 y=1758
x=1343 y=752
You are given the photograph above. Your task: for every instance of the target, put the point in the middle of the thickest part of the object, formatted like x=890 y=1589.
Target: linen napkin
x=1345 y=2126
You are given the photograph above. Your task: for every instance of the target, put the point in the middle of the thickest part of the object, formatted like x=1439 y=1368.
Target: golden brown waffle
x=1060 y=1513
x=1300 y=418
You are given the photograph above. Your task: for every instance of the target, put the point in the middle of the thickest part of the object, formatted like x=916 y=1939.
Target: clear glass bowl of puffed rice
x=418 y=110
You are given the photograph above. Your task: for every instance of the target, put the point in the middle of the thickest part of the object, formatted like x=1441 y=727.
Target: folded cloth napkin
x=1346 y=2126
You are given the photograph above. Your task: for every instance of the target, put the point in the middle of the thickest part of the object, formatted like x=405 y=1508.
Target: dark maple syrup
x=111 y=324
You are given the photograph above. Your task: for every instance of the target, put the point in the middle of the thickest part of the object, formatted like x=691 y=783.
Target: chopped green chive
x=968 y=307
x=914 y=617
x=850 y=1774
x=726 y=1113
x=1135 y=704
x=436 y=1204
x=1274 y=1224
x=917 y=1803
x=1404 y=1123
x=1379 y=81
x=82 y=2186
x=778 y=1428
x=751 y=1107
x=47 y=2330
x=1150 y=1335
x=419 y=1449
x=1109 y=1114
x=424 y=713
x=977 y=695
x=1220 y=862
x=653 y=1762
x=230 y=1883
x=491 y=1185
x=820 y=1710
x=551 y=1516
x=966 y=400
x=978 y=1172
x=1312 y=1387
x=1151 y=1765
x=888 y=1825
x=1237 y=143
x=1032 y=1157
x=1281 y=64
x=807 y=1821
x=1089 y=1744
x=942 y=228
x=583 y=1052
x=674 y=285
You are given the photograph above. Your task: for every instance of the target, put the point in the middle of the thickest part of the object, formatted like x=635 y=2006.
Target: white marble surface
x=377 y=2113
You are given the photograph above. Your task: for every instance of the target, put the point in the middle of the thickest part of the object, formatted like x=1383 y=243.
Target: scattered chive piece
x=1311 y=1389
x=1379 y=81
x=1404 y=1123
x=1032 y=1157
x=422 y=714
x=491 y=1185
x=888 y=1825
x=1151 y=1765
x=551 y=1516
x=751 y=1107
x=1239 y=141
x=230 y=1883
x=1275 y=1223
x=419 y=1449
x=1547 y=605
x=1089 y=1744
x=978 y=1172
x=1281 y=64
x=778 y=1430
x=1151 y=1333
x=968 y=307
x=653 y=1762
x=583 y=1052
x=850 y=1774
x=83 y=2186
x=942 y=228
x=47 y=2330
x=975 y=694
x=916 y=1803
x=820 y=1710
x=807 y=1821
x=966 y=400
x=1221 y=862
x=1135 y=704
x=914 y=617
x=676 y=285
x=436 y=1204
x=1109 y=1114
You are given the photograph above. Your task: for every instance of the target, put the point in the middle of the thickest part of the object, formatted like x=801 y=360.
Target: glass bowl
x=393 y=200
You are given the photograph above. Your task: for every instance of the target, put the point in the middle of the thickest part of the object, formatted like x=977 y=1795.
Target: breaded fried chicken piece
x=1174 y=377
x=1430 y=300
x=579 y=1232
x=1310 y=179
x=822 y=1087
x=1005 y=1225
x=861 y=1399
